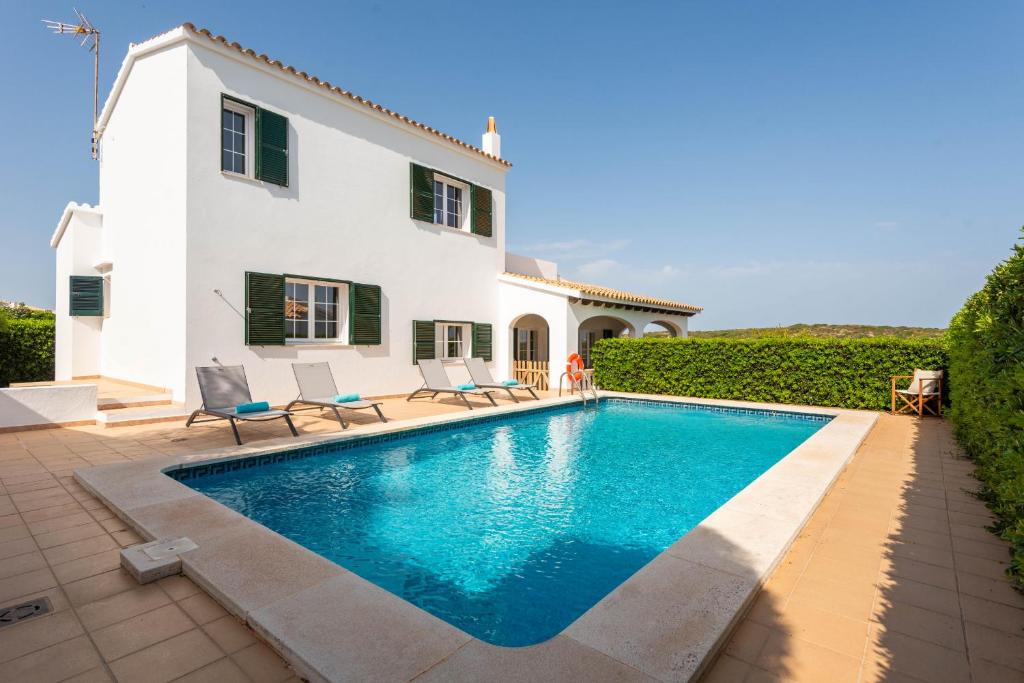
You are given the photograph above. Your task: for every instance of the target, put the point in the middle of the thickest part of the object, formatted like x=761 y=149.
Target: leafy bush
x=26 y=350
x=845 y=373
x=986 y=378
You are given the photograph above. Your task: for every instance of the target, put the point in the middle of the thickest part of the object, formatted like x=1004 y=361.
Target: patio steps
x=147 y=413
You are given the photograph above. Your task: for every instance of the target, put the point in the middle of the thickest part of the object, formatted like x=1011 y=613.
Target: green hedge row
x=986 y=378
x=845 y=373
x=26 y=350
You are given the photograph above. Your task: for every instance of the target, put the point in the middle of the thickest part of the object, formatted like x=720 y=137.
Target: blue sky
x=773 y=162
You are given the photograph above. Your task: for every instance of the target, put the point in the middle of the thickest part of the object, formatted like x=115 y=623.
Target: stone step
x=123 y=417
x=139 y=401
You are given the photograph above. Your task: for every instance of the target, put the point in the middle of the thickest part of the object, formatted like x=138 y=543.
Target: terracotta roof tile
x=340 y=91
x=609 y=293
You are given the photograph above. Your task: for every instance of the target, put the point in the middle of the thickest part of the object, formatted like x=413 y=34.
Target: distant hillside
x=822 y=330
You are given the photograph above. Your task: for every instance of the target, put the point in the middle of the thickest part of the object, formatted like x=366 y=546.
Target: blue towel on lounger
x=466 y=387
x=257 y=407
x=510 y=382
x=346 y=398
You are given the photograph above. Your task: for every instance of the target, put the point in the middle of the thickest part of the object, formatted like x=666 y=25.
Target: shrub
x=26 y=350
x=845 y=373
x=986 y=378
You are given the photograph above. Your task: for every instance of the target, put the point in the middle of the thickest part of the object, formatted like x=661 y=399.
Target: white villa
x=253 y=214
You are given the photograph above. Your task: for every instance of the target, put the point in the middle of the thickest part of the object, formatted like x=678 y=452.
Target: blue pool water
x=512 y=528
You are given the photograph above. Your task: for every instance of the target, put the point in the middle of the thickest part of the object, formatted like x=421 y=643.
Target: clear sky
x=774 y=162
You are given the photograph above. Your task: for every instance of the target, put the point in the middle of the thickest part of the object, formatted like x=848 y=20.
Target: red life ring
x=574 y=367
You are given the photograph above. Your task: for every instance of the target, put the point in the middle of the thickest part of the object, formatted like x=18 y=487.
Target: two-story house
x=252 y=213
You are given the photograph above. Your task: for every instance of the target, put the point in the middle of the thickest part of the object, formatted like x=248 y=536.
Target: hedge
x=26 y=350
x=844 y=373
x=986 y=378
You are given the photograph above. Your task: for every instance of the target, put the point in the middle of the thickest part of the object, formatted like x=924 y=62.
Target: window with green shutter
x=481 y=220
x=254 y=141
x=482 y=341
x=364 y=306
x=271 y=147
x=86 y=297
x=421 y=193
x=264 y=309
x=422 y=340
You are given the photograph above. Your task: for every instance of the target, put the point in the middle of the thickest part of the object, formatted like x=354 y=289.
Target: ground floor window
x=451 y=340
x=525 y=344
x=313 y=311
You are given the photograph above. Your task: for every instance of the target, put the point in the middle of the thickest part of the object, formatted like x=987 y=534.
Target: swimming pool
x=511 y=528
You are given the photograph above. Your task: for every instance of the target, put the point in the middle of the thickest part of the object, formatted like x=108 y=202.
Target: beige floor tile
x=178 y=587
x=124 y=605
x=902 y=654
x=202 y=608
x=98 y=587
x=38 y=633
x=141 y=631
x=797 y=660
x=77 y=550
x=30 y=582
x=827 y=629
x=221 y=671
x=996 y=646
x=229 y=634
x=75 y=533
x=261 y=664
x=104 y=561
x=65 y=660
x=940 y=629
x=168 y=660
x=20 y=564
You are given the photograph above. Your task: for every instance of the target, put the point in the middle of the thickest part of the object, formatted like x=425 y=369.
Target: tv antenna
x=90 y=36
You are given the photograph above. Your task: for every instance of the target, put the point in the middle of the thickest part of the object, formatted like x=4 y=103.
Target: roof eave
x=188 y=32
x=65 y=218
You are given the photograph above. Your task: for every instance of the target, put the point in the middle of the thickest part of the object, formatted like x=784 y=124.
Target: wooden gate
x=531 y=372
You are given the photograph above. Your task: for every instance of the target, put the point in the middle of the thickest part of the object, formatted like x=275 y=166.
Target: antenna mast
x=91 y=40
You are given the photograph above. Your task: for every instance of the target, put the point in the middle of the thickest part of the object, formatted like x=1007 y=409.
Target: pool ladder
x=585 y=384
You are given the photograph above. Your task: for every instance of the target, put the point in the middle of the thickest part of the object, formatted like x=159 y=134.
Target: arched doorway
x=529 y=336
x=601 y=327
x=660 y=328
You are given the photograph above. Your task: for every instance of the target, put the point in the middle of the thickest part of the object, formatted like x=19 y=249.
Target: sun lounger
x=482 y=378
x=436 y=381
x=224 y=390
x=317 y=390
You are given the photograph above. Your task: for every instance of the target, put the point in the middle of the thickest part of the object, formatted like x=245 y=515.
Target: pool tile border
x=196 y=471
x=664 y=623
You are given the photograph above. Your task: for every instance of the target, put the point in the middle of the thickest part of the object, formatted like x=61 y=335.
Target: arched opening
x=529 y=336
x=601 y=327
x=660 y=328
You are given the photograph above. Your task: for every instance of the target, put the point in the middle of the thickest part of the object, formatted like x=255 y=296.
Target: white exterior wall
x=142 y=192
x=345 y=215
x=28 y=406
x=77 y=339
x=518 y=300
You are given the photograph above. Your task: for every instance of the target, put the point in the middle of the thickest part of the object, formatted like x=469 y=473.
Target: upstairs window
x=236 y=137
x=312 y=310
x=448 y=202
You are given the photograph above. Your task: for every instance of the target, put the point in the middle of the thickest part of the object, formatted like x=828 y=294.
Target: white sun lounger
x=436 y=381
x=482 y=378
x=317 y=391
x=225 y=387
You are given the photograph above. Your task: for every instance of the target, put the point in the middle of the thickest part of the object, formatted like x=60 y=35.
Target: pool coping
x=666 y=622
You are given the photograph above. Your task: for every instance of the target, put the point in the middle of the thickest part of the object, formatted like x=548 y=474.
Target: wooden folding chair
x=923 y=395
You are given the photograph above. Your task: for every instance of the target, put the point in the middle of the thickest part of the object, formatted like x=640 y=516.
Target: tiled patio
x=894 y=577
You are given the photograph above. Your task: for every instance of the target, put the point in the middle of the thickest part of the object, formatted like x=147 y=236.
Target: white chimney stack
x=492 y=141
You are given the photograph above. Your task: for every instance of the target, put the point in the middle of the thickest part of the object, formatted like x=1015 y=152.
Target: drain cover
x=16 y=613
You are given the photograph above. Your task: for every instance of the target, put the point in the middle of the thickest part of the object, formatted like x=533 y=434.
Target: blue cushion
x=346 y=398
x=466 y=387
x=257 y=407
x=510 y=382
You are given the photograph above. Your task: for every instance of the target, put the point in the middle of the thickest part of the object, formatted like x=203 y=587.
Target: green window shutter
x=86 y=295
x=421 y=193
x=422 y=340
x=264 y=309
x=482 y=214
x=482 y=341
x=363 y=314
x=271 y=147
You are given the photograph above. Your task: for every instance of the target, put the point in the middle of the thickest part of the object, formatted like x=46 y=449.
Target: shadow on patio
x=894 y=577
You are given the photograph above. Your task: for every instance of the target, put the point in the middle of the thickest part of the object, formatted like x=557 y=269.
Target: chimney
x=492 y=141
